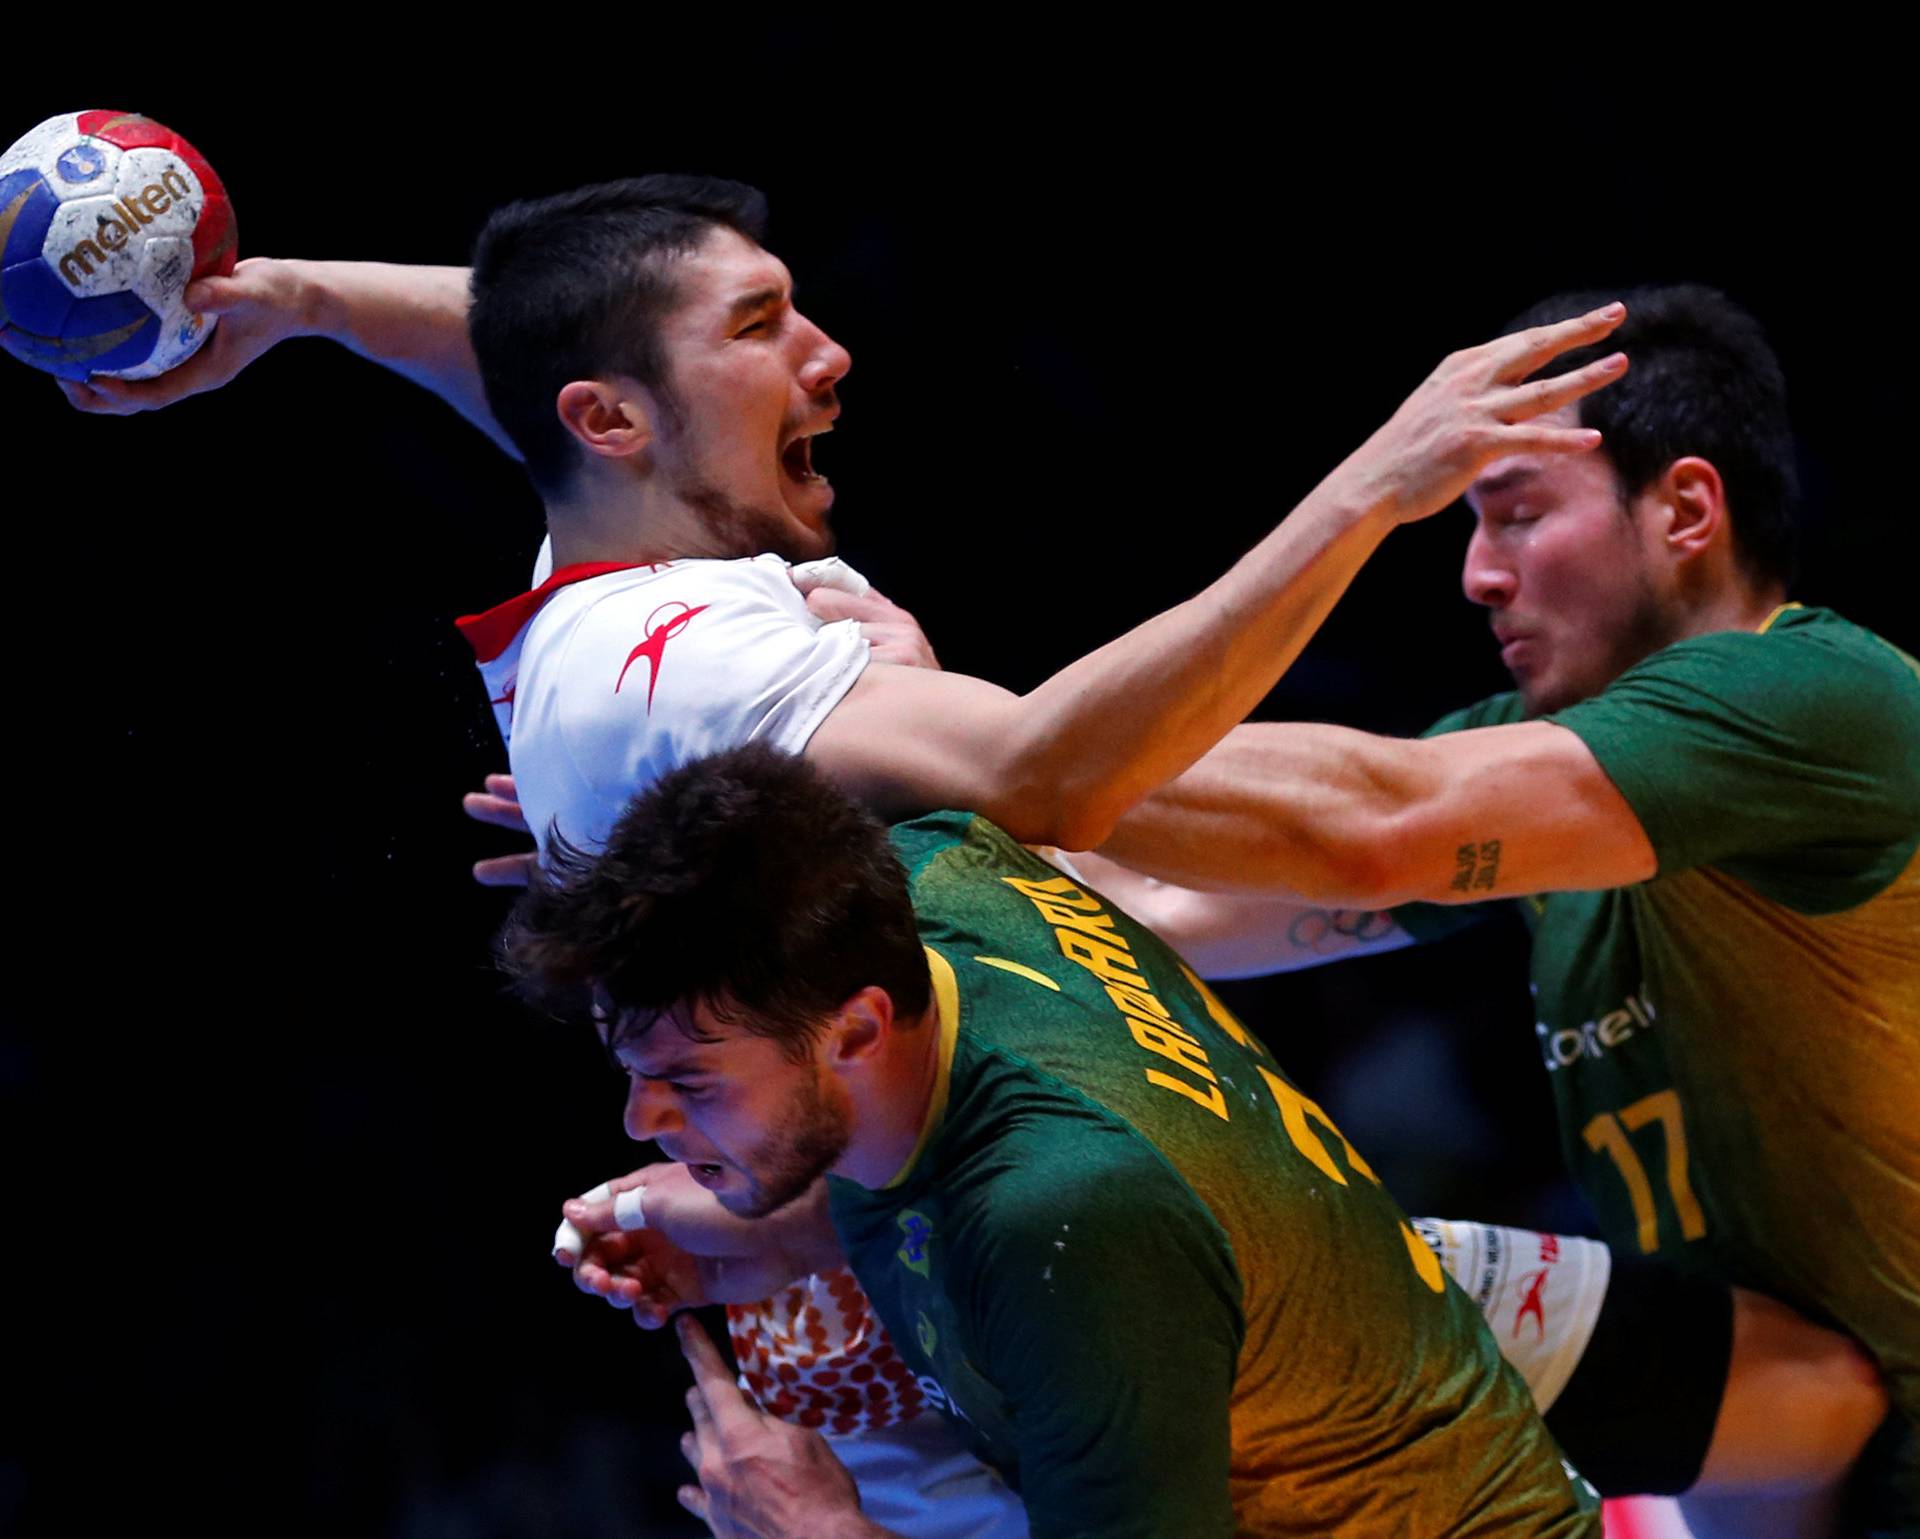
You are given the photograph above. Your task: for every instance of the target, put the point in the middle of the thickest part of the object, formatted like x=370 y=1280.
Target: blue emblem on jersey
x=918 y=1231
x=82 y=163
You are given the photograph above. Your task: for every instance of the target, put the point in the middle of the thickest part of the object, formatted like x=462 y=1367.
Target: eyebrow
x=1506 y=481
x=680 y=1068
x=677 y=1068
x=622 y=1035
x=759 y=299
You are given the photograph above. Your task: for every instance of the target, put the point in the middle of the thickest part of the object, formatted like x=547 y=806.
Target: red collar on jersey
x=491 y=633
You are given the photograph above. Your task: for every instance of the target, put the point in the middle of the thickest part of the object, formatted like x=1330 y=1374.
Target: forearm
x=1242 y=935
x=410 y=319
x=1347 y=819
x=758 y=1255
x=1059 y=765
x=1111 y=727
x=1291 y=810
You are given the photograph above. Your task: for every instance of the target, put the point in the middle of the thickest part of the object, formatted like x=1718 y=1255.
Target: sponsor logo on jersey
x=654 y=646
x=1533 y=1301
x=1567 y=1045
x=913 y=1254
x=129 y=215
x=505 y=697
x=82 y=163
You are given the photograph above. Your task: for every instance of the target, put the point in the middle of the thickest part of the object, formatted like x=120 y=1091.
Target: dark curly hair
x=746 y=881
x=575 y=286
x=1704 y=381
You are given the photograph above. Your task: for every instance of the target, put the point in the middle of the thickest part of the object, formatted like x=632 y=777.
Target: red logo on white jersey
x=655 y=644
x=505 y=697
x=1534 y=1303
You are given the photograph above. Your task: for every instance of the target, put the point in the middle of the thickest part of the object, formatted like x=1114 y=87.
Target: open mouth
x=796 y=459
x=706 y=1175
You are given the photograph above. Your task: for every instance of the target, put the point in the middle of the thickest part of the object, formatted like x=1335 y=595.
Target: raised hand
x=262 y=304
x=1477 y=406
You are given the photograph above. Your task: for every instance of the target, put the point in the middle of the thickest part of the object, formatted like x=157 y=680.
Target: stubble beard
x=1644 y=630
x=742 y=529
x=813 y=1135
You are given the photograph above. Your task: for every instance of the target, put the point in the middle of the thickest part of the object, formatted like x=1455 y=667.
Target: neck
x=1736 y=607
x=894 y=1102
x=602 y=520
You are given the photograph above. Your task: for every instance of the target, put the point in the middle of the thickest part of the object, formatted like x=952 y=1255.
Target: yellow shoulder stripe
x=1019 y=969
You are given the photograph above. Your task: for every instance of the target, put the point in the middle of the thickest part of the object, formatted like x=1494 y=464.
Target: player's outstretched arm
x=1347 y=818
x=1242 y=935
x=413 y=320
x=1061 y=764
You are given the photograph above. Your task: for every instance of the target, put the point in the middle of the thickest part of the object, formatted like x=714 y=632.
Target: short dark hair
x=746 y=881
x=1702 y=380
x=575 y=286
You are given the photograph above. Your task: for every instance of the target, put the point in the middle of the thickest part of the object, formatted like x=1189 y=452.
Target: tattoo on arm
x=1476 y=867
x=1325 y=931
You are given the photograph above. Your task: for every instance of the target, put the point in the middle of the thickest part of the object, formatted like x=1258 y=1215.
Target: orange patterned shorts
x=817 y=1355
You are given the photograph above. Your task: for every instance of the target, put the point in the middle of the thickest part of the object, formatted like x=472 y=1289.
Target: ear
x=861 y=1029
x=606 y=417
x=1696 y=502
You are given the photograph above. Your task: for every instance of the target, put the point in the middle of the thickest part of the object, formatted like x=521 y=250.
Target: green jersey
x=1147 y=1276
x=1735 y=1045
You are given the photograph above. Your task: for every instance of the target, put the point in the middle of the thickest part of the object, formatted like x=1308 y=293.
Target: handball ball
x=105 y=217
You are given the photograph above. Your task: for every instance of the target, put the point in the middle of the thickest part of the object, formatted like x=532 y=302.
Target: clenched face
x=753 y=382
x=751 y=1125
x=1568 y=572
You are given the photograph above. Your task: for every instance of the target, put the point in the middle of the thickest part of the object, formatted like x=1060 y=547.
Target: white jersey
x=604 y=678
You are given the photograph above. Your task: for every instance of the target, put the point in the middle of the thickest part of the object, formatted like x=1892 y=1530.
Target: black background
x=1114 y=305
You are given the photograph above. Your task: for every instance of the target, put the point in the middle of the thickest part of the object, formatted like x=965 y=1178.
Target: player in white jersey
x=688 y=435
x=605 y=680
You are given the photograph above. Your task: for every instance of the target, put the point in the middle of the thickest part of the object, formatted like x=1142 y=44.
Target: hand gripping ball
x=105 y=217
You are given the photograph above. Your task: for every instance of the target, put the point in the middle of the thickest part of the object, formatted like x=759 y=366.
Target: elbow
x=1066 y=817
x=1041 y=793
x=1086 y=819
x=1800 y=1405
x=1840 y=1397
